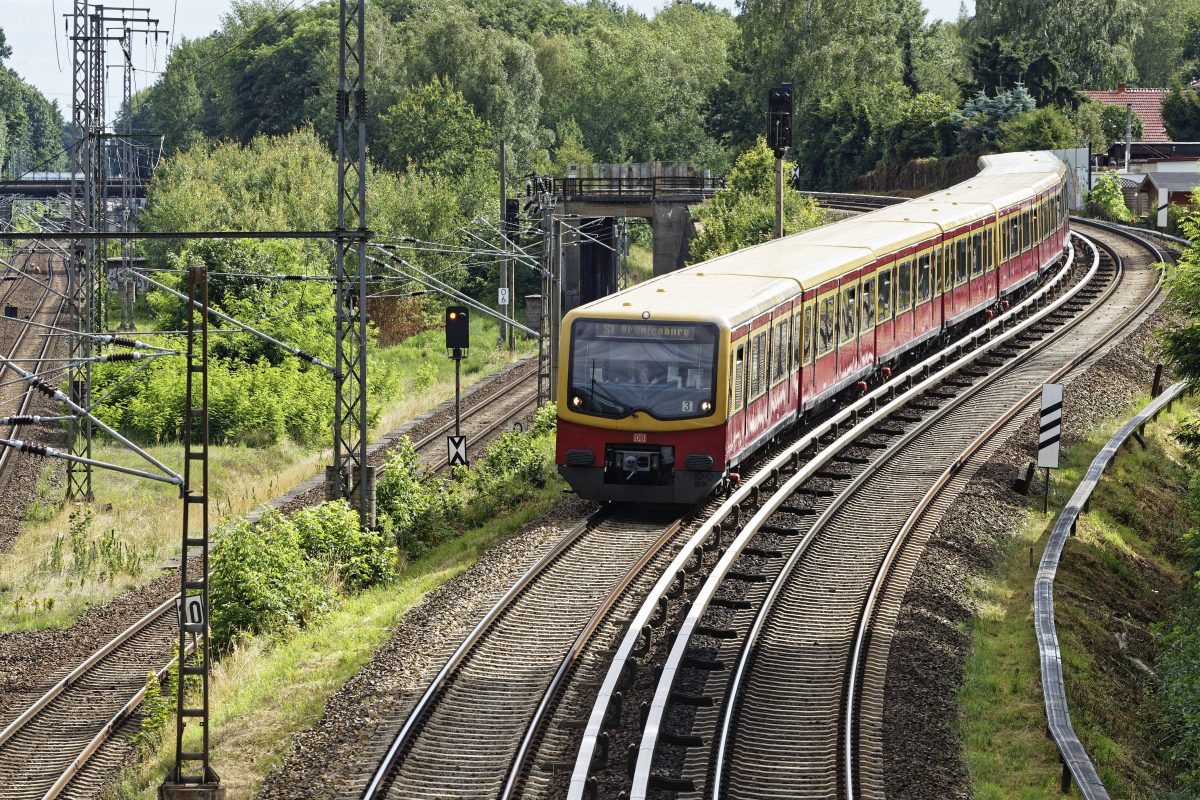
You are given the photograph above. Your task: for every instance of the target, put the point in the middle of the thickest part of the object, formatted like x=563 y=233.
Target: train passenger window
x=781 y=352
x=868 y=306
x=938 y=261
x=884 y=307
x=739 y=378
x=848 y=330
x=989 y=252
x=976 y=254
x=828 y=315
x=923 y=278
x=961 y=264
x=904 y=287
x=806 y=334
x=1014 y=236
x=757 y=364
x=1026 y=238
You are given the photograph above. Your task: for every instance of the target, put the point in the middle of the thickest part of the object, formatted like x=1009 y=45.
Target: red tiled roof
x=1147 y=104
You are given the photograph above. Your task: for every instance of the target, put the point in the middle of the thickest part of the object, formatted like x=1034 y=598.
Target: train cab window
x=825 y=329
x=924 y=281
x=961 y=264
x=976 y=254
x=904 y=287
x=868 y=306
x=847 y=329
x=883 y=309
x=665 y=369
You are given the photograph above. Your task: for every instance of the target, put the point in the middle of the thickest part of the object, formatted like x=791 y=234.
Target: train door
x=962 y=276
x=847 y=334
x=757 y=401
x=902 y=303
x=826 y=341
x=867 y=351
x=778 y=366
x=979 y=291
x=805 y=349
x=937 y=307
x=736 y=435
x=923 y=292
x=990 y=269
x=885 y=289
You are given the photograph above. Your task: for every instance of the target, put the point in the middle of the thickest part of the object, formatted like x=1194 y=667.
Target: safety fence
x=1075 y=760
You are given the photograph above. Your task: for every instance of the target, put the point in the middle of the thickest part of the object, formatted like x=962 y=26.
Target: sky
x=41 y=50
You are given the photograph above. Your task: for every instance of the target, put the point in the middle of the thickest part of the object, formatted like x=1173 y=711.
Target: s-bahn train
x=665 y=388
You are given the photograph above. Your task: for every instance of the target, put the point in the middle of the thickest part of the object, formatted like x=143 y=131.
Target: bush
x=1106 y=201
x=329 y=533
x=261 y=581
x=1179 y=667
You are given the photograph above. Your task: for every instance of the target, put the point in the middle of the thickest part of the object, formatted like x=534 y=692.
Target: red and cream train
x=666 y=387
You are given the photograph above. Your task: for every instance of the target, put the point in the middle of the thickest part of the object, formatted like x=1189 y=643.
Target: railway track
x=695 y=739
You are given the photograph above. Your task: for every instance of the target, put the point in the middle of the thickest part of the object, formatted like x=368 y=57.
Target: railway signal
x=458 y=339
x=779 y=137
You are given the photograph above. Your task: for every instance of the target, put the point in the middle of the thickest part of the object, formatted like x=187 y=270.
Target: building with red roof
x=1147 y=105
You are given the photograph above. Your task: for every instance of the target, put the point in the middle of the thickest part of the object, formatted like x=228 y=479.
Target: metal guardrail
x=1076 y=763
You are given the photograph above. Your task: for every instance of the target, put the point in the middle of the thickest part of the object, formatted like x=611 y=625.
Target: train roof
x=733 y=288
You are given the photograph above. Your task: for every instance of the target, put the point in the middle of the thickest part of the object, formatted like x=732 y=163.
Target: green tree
x=1106 y=201
x=924 y=128
x=1158 y=53
x=569 y=147
x=978 y=124
x=1044 y=129
x=1093 y=38
x=433 y=129
x=743 y=213
x=1181 y=114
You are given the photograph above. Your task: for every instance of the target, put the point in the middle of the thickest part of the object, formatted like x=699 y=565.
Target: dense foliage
x=743 y=213
x=1106 y=201
x=31 y=127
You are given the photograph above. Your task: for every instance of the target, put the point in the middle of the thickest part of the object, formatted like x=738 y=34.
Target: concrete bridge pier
x=673 y=233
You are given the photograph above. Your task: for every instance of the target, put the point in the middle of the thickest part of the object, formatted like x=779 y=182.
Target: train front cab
x=641 y=410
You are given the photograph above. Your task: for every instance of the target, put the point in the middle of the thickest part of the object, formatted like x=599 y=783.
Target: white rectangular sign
x=456 y=446
x=1050 y=425
x=503 y=296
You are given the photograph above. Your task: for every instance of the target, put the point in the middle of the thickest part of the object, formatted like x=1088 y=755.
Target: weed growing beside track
x=1119 y=576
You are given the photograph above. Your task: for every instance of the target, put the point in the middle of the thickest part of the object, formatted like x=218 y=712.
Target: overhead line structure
x=350 y=476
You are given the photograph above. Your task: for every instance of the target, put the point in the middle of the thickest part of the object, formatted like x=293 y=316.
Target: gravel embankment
x=931 y=646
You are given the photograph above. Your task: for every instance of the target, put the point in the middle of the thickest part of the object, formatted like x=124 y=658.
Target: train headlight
x=577 y=401
x=706 y=406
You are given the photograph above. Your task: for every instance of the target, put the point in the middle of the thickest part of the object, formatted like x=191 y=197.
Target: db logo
x=639 y=437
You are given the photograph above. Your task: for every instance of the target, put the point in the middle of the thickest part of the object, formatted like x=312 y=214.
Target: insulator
x=120 y=357
x=124 y=341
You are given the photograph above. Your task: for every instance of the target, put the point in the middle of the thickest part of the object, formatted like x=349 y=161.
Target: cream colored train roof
x=736 y=287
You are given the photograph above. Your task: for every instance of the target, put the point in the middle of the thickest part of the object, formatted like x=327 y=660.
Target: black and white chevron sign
x=1050 y=430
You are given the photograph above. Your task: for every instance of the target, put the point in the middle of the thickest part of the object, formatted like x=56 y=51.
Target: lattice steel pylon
x=79 y=476
x=351 y=476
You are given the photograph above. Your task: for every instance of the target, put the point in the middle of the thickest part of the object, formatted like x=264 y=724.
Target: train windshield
x=662 y=368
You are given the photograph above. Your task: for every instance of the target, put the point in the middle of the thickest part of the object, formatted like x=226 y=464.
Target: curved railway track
x=681 y=751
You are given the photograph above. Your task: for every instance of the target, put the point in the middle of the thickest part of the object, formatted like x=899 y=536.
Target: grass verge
x=252 y=727
x=59 y=567
x=1115 y=579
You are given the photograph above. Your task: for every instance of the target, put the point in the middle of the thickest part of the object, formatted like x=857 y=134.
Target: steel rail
x=428 y=697
x=720 y=573
x=525 y=749
x=640 y=624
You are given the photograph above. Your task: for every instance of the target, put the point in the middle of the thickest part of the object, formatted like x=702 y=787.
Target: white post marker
x=502 y=298
x=193 y=619
x=457 y=448
x=1049 y=433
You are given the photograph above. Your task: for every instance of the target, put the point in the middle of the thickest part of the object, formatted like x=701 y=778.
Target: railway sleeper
x=852 y=459
x=715 y=633
x=681 y=740
x=919 y=406
x=833 y=475
x=672 y=784
x=706 y=664
x=762 y=552
x=732 y=604
x=799 y=511
x=747 y=577
x=787 y=530
x=694 y=700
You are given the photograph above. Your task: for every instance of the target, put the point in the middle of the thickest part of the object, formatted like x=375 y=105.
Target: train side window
x=799 y=331
x=976 y=254
x=739 y=377
x=757 y=364
x=1002 y=232
x=884 y=307
x=1025 y=237
x=806 y=334
x=904 y=287
x=1014 y=236
x=937 y=269
x=781 y=352
x=849 y=308
x=868 y=306
x=923 y=278
x=828 y=317
x=960 y=261
x=989 y=237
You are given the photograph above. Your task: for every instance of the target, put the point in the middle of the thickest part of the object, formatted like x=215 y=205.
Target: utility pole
x=1128 y=133
x=351 y=476
x=505 y=290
